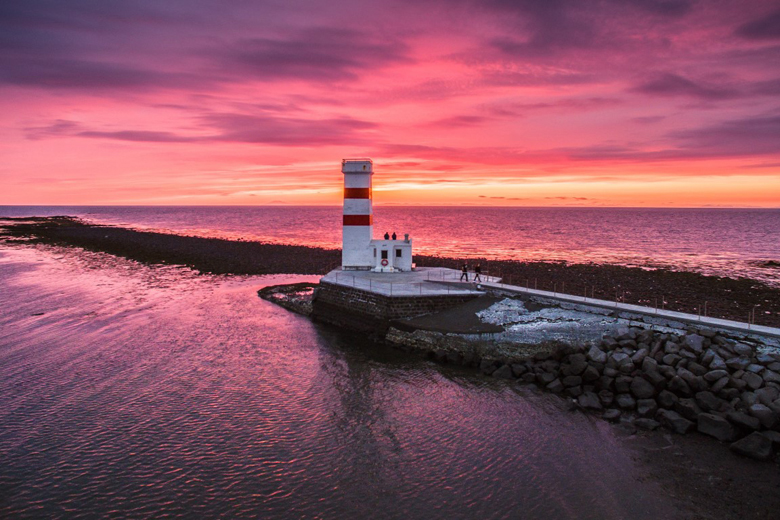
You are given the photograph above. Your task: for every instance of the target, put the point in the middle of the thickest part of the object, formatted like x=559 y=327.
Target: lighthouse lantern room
x=359 y=250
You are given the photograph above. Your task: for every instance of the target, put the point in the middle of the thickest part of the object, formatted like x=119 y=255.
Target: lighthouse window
x=398 y=253
x=374 y=253
x=384 y=255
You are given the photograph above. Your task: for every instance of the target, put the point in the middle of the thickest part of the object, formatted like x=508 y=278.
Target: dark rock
x=610 y=372
x=708 y=333
x=735 y=382
x=707 y=357
x=605 y=383
x=694 y=343
x=642 y=389
x=771 y=377
x=764 y=414
x=755 y=368
x=628 y=343
x=574 y=391
x=688 y=409
x=649 y=365
x=488 y=366
x=589 y=401
x=754 y=381
x=729 y=394
x=714 y=375
x=767 y=395
x=606 y=397
x=656 y=379
x=697 y=369
x=597 y=355
x=743 y=350
x=716 y=426
x=668 y=372
x=772 y=436
x=627 y=368
x=577 y=364
x=545 y=378
x=717 y=363
x=555 y=386
x=590 y=374
x=647 y=424
x=755 y=446
x=639 y=356
x=518 y=369
x=528 y=377
x=774 y=366
x=609 y=343
x=666 y=399
x=708 y=402
x=671 y=347
x=571 y=381
x=623 y=384
x=678 y=386
x=674 y=421
x=503 y=372
x=719 y=385
x=440 y=355
x=611 y=415
x=744 y=421
x=646 y=407
x=454 y=358
x=625 y=401
x=671 y=359
x=738 y=363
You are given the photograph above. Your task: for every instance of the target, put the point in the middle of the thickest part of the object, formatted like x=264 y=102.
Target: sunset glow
x=660 y=103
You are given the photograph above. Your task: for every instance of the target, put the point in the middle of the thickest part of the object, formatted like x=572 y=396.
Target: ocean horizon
x=732 y=242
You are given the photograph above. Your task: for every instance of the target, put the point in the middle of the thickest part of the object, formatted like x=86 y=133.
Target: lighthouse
x=359 y=249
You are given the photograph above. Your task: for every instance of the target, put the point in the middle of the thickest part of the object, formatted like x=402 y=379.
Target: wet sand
x=734 y=299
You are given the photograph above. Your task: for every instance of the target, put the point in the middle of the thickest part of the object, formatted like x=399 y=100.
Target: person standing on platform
x=477 y=272
x=464 y=272
x=387 y=235
x=394 y=236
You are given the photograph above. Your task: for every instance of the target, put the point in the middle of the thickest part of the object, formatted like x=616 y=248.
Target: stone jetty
x=699 y=381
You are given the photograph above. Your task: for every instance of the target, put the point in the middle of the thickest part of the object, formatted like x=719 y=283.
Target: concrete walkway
x=688 y=319
x=424 y=281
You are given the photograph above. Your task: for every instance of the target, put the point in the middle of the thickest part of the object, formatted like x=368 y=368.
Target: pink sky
x=495 y=102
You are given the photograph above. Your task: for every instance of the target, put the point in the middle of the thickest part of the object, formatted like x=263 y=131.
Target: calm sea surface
x=129 y=391
x=729 y=242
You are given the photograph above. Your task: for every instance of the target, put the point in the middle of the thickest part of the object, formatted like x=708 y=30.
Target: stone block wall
x=361 y=309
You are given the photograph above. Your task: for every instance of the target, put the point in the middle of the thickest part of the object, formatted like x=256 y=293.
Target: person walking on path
x=464 y=272
x=477 y=272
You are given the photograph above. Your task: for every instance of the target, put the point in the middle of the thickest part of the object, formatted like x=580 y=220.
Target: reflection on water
x=728 y=242
x=137 y=392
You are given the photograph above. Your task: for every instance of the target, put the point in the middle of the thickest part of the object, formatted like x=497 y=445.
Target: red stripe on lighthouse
x=357 y=220
x=357 y=193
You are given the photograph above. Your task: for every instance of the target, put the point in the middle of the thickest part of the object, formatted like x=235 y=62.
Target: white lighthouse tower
x=359 y=250
x=358 y=214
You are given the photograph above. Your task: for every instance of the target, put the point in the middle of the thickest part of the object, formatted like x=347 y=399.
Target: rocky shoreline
x=700 y=381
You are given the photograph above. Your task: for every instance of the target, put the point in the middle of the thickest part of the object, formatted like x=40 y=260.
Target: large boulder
x=597 y=355
x=590 y=374
x=754 y=381
x=755 y=446
x=715 y=375
x=741 y=349
x=646 y=407
x=503 y=372
x=647 y=424
x=625 y=401
x=708 y=402
x=771 y=377
x=679 y=387
x=623 y=384
x=642 y=389
x=688 y=409
x=694 y=343
x=577 y=364
x=764 y=414
x=716 y=426
x=589 y=401
x=666 y=399
x=674 y=421
x=743 y=421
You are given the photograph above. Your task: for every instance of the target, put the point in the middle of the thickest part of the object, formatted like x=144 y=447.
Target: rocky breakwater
x=695 y=382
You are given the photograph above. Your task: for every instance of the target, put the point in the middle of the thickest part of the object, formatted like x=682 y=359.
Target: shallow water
x=139 y=392
x=725 y=242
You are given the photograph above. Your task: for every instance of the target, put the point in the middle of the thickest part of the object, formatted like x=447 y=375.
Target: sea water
x=725 y=242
